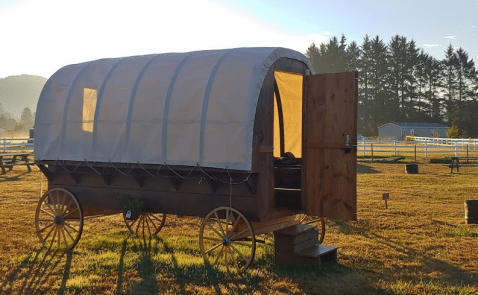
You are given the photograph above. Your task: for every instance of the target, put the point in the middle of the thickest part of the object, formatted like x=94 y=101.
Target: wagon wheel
x=146 y=225
x=59 y=219
x=318 y=222
x=226 y=236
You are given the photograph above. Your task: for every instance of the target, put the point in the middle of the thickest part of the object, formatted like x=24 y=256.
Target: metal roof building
x=398 y=130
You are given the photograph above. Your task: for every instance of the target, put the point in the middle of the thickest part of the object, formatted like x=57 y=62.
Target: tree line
x=400 y=82
x=12 y=126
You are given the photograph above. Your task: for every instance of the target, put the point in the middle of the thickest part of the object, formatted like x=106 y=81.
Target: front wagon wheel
x=226 y=237
x=59 y=219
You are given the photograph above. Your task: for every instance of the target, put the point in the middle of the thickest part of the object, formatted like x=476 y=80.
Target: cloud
x=450 y=37
x=431 y=45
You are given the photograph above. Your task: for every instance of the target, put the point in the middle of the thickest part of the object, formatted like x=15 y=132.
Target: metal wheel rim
x=219 y=242
x=59 y=219
x=147 y=225
x=318 y=222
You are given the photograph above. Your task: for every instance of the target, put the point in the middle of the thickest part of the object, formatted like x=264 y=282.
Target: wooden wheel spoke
x=239 y=253
x=47 y=220
x=66 y=207
x=147 y=224
x=41 y=230
x=227 y=222
x=150 y=220
x=132 y=223
x=213 y=248
x=213 y=229
x=220 y=224
x=68 y=233
x=155 y=217
x=47 y=213
x=139 y=223
x=52 y=209
x=218 y=256
x=71 y=227
x=240 y=233
x=49 y=233
x=53 y=203
x=235 y=224
x=68 y=214
x=58 y=204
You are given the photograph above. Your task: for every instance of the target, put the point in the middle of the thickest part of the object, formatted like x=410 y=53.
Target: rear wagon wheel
x=146 y=225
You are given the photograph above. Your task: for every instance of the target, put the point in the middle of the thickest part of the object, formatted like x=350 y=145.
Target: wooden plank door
x=329 y=141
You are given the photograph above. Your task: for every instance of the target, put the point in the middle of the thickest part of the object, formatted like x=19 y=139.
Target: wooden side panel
x=329 y=179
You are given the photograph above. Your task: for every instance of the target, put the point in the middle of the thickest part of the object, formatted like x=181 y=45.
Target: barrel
x=411 y=168
x=471 y=211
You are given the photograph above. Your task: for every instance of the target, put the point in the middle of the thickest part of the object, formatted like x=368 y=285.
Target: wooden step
x=322 y=253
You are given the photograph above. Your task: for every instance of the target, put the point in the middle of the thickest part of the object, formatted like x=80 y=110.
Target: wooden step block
x=299 y=244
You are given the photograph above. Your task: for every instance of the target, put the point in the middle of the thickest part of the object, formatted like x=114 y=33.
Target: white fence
x=423 y=146
x=16 y=144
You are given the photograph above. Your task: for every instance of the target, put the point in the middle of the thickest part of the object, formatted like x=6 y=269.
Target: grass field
x=419 y=245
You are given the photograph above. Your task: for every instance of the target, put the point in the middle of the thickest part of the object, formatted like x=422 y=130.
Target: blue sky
x=40 y=36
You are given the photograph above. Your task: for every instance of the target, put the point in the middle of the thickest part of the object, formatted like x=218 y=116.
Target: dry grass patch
x=419 y=245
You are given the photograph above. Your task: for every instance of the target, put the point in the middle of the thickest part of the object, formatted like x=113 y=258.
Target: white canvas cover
x=193 y=108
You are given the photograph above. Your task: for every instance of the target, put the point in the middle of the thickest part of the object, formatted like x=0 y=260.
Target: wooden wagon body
x=302 y=146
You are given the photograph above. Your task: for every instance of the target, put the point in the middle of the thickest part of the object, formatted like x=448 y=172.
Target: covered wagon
x=246 y=138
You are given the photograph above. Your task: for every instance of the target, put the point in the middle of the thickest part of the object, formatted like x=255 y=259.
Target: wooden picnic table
x=8 y=160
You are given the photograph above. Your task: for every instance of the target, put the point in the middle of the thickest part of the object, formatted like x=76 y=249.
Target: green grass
x=419 y=245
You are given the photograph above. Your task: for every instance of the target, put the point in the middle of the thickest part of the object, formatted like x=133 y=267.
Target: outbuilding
x=398 y=130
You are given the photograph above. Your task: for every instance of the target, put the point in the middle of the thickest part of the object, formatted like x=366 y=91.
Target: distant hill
x=19 y=92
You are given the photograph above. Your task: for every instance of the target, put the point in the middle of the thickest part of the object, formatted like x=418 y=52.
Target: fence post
x=371 y=149
x=456 y=148
x=364 y=147
x=4 y=145
x=395 y=148
x=467 y=154
x=426 y=149
x=415 y=151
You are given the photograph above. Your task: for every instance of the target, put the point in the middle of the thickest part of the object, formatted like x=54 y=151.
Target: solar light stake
x=386 y=196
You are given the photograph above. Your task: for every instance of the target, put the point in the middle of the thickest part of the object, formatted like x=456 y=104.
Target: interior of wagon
x=287 y=139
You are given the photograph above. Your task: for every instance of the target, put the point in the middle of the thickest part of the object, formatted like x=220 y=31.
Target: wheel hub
x=58 y=220
x=226 y=241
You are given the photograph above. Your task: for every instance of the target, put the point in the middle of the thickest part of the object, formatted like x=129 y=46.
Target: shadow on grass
x=182 y=273
x=449 y=274
x=17 y=177
x=32 y=274
x=366 y=169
